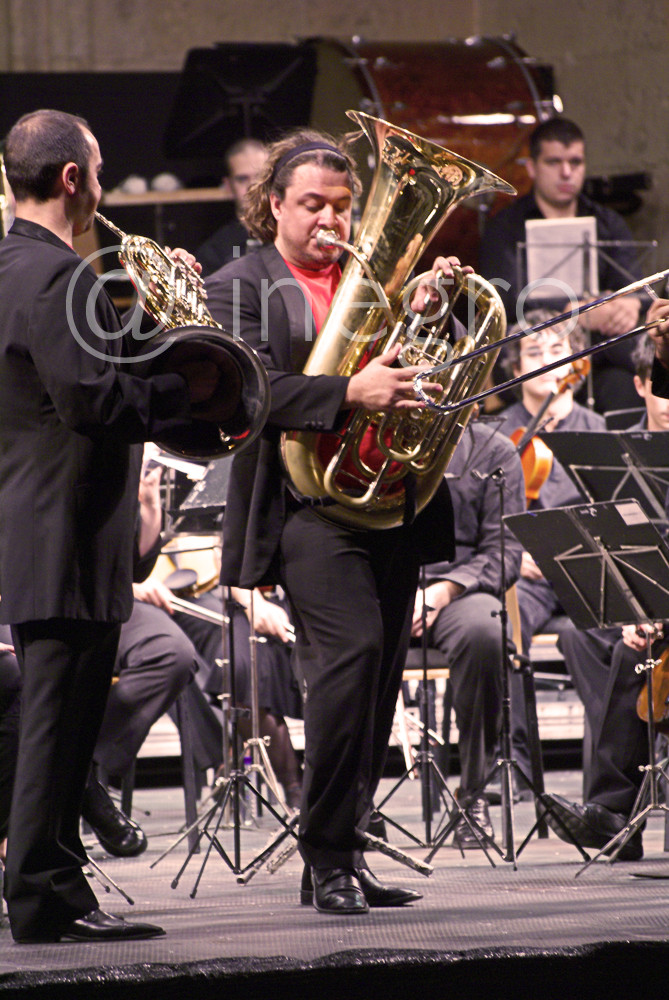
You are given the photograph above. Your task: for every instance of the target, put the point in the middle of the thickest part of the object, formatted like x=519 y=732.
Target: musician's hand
x=6 y=648
x=430 y=293
x=659 y=309
x=153 y=592
x=179 y=254
x=270 y=619
x=529 y=569
x=188 y=258
x=613 y=318
x=635 y=636
x=379 y=386
x=437 y=596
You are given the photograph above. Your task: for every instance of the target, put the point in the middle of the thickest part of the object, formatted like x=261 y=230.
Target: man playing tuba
x=351 y=591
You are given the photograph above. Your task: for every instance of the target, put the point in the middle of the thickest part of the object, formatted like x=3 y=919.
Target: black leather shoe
x=337 y=890
x=118 y=834
x=99 y=926
x=376 y=894
x=477 y=811
x=591 y=825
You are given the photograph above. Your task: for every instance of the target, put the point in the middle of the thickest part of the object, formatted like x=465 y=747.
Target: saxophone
x=173 y=294
x=364 y=468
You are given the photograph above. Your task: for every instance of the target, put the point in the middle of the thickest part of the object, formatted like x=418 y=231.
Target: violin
x=536 y=459
x=535 y=456
x=660 y=694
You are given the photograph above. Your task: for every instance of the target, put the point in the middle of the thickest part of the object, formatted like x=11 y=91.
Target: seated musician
x=601 y=663
x=278 y=692
x=463 y=596
x=536 y=598
x=154 y=663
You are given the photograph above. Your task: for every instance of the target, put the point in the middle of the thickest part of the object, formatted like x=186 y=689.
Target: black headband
x=304 y=147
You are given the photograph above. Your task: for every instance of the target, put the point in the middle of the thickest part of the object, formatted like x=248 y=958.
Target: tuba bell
x=173 y=294
x=381 y=466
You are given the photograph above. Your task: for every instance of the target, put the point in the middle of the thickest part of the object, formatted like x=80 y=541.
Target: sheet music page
x=562 y=252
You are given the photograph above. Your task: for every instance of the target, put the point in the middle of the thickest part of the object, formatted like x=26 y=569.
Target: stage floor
x=229 y=933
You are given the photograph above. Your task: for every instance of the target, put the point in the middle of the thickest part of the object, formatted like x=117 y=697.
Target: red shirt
x=319 y=288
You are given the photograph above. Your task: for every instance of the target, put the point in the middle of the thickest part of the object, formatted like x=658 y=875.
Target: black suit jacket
x=69 y=416
x=257 y=298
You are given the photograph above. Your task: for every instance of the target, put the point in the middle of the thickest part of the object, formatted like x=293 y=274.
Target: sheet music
x=562 y=257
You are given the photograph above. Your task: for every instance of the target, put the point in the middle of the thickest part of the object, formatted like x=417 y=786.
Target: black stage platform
x=537 y=931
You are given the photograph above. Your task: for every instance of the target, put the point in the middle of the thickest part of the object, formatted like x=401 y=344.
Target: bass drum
x=480 y=97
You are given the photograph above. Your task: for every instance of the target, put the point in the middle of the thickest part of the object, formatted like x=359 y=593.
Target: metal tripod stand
x=425 y=765
x=236 y=784
x=506 y=766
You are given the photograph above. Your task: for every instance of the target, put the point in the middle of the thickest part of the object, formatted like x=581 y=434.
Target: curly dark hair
x=38 y=147
x=257 y=213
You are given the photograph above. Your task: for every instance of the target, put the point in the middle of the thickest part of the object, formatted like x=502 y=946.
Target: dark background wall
x=609 y=61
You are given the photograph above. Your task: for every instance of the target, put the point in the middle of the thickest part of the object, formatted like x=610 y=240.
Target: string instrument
x=660 y=694
x=535 y=456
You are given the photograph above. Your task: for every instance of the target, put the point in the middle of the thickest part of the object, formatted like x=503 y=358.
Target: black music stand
x=616 y=465
x=210 y=494
x=608 y=565
x=232 y=91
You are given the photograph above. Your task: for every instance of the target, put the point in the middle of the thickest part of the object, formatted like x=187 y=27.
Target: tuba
x=174 y=296
x=381 y=467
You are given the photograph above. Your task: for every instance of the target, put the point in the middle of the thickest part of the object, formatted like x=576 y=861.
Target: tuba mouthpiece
x=327 y=238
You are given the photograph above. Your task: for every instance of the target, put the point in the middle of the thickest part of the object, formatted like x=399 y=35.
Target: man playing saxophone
x=351 y=591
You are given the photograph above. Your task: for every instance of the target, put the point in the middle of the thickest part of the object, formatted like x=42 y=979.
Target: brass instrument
x=196 y=611
x=173 y=294
x=450 y=407
x=364 y=467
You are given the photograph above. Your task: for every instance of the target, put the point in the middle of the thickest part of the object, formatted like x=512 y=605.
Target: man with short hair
x=69 y=474
x=557 y=169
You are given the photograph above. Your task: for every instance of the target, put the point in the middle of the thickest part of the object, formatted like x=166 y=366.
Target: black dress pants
x=468 y=634
x=10 y=707
x=602 y=668
x=351 y=594
x=154 y=663
x=66 y=668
